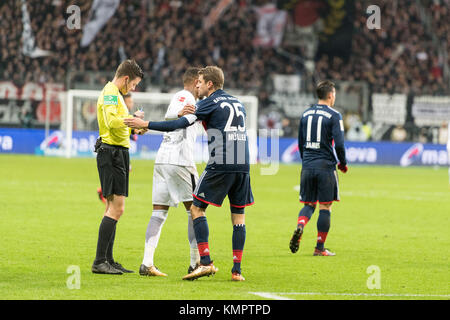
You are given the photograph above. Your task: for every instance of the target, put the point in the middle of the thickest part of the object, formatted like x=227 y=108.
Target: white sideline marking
x=278 y=295
x=270 y=295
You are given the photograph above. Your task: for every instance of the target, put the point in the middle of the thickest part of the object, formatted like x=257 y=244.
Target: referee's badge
x=110 y=100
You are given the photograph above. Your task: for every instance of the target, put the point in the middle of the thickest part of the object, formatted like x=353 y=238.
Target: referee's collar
x=114 y=86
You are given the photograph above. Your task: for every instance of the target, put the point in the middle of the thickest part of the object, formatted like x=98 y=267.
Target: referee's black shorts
x=113 y=164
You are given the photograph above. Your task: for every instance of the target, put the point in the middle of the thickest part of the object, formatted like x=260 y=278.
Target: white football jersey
x=177 y=147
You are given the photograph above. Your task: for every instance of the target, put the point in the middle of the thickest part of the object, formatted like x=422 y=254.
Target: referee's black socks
x=109 y=250
x=105 y=233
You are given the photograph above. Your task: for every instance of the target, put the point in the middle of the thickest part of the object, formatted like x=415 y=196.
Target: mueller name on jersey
x=235 y=136
x=223 y=98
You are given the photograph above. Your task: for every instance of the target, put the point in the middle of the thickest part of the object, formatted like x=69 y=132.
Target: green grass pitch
x=396 y=219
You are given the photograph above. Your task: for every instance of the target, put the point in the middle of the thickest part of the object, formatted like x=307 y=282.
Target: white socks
x=195 y=256
x=152 y=235
x=154 y=232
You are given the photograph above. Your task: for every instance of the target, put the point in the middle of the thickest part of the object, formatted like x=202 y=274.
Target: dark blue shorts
x=213 y=187
x=319 y=186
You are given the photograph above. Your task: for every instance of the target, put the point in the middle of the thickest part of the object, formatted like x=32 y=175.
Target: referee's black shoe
x=118 y=266
x=105 y=268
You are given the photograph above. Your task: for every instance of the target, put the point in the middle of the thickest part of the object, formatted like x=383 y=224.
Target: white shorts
x=173 y=184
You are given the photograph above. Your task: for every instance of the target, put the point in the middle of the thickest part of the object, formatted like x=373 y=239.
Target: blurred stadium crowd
x=400 y=57
x=164 y=36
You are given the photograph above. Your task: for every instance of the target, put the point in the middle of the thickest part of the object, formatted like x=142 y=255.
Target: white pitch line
x=279 y=295
x=269 y=295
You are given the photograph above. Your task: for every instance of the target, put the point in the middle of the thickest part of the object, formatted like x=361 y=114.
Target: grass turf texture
x=394 y=218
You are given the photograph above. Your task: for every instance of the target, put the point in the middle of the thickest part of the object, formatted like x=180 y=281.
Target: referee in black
x=113 y=160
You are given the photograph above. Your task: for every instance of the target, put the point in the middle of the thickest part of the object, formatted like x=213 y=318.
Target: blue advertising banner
x=284 y=150
x=379 y=153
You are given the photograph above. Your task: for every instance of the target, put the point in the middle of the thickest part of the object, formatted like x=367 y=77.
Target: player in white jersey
x=174 y=175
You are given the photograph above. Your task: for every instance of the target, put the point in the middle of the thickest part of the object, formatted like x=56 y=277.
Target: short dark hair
x=213 y=74
x=190 y=75
x=129 y=68
x=324 y=88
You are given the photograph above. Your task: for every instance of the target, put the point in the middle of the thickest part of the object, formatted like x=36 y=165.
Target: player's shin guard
x=201 y=235
x=239 y=233
x=323 y=226
x=305 y=215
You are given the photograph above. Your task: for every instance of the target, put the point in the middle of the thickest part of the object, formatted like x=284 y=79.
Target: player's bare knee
x=116 y=212
x=197 y=212
x=120 y=210
x=325 y=206
x=117 y=207
x=160 y=207
x=237 y=218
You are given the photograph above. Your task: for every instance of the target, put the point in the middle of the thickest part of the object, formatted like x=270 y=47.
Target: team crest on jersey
x=181 y=99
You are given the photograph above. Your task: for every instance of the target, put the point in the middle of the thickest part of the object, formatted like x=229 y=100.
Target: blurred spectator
x=443 y=133
x=367 y=129
x=287 y=128
x=270 y=119
x=264 y=101
x=399 y=134
x=26 y=117
x=356 y=133
x=424 y=136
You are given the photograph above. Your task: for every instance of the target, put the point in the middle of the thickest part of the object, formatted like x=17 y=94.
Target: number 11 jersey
x=321 y=138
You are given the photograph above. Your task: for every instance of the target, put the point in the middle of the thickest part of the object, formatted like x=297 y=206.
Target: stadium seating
x=404 y=56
